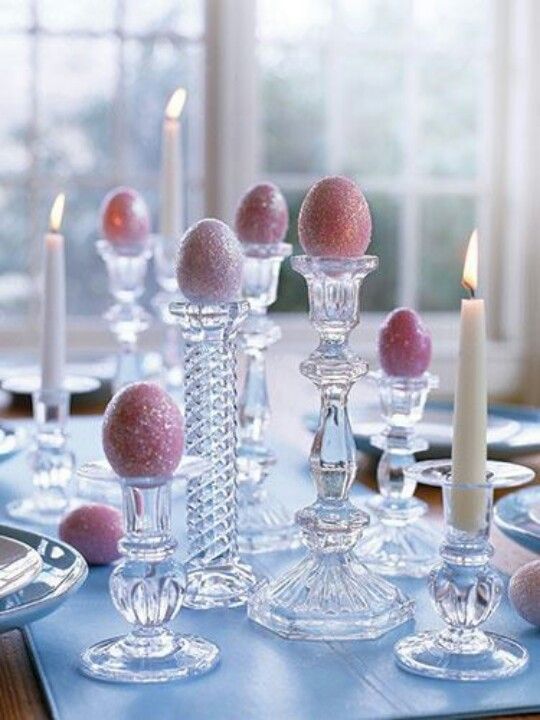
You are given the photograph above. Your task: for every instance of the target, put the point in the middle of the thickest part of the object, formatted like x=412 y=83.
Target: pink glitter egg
x=93 y=530
x=524 y=592
x=404 y=344
x=334 y=220
x=262 y=215
x=143 y=432
x=209 y=263
x=124 y=218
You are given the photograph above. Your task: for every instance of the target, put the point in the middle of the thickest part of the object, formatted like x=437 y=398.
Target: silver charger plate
x=518 y=516
x=63 y=572
x=19 y=565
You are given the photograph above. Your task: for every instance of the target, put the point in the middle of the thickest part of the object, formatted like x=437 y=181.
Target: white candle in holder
x=172 y=211
x=469 y=446
x=53 y=326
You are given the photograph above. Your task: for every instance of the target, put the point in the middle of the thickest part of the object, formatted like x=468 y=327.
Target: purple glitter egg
x=209 y=263
x=524 y=592
x=404 y=344
x=334 y=219
x=262 y=215
x=143 y=432
x=93 y=530
x=124 y=218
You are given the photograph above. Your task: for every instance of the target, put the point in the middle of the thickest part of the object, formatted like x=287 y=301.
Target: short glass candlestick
x=398 y=545
x=216 y=575
x=330 y=594
x=264 y=524
x=465 y=589
x=127 y=318
x=147 y=588
x=51 y=461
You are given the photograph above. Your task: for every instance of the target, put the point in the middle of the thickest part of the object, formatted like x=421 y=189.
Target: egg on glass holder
x=125 y=220
x=262 y=216
x=404 y=344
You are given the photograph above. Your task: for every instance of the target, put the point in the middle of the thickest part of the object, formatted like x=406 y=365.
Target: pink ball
x=209 y=263
x=262 y=215
x=143 y=432
x=334 y=220
x=93 y=530
x=125 y=219
x=524 y=592
x=404 y=344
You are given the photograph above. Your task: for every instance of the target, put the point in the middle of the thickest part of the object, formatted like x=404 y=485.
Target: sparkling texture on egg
x=335 y=220
x=209 y=263
x=143 y=432
x=125 y=219
x=524 y=591
x=404 y=344
x=93 y=530
x=262 y=215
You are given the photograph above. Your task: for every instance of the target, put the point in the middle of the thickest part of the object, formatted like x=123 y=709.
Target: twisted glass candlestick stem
x=330 y=595
x=216 y=576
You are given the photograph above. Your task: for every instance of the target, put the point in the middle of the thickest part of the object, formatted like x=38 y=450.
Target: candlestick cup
x=330 y=595
x=465 y=589
x=397 y=544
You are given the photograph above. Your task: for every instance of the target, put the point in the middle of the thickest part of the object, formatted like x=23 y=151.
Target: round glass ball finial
x=143 y=440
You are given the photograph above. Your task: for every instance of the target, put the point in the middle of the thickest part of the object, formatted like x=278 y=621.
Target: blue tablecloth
x=261 y=676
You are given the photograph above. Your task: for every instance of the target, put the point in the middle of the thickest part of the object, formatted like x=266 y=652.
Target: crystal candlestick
x=147 y=588
x=216 y=576
x=464 y=588
x=51 y=461
x=330 y=595
x=398 y=544
x=126 y=318
x=264 y=524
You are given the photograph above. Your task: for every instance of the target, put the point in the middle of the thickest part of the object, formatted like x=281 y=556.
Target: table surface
x=21 y=696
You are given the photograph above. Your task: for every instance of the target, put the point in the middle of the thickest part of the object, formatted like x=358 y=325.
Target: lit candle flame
x=176 y=104
x=470 y=268
x=57 y=213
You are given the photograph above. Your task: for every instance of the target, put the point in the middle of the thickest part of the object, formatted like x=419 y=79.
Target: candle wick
x=469 y=289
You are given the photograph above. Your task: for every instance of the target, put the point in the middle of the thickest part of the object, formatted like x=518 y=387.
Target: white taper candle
x=172 y=211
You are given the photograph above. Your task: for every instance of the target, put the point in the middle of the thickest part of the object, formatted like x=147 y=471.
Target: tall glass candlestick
x=330 y=595
x=216 y=575
x=264 y=523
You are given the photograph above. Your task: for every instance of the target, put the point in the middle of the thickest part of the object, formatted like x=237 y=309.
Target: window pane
x=15 y=15
x=185 y=17
x=375 y=18
x=15 y=95
x=95 y=15
x=446 y=224
x=15 y=285
x=380 y=291
x=451 y=23
x=296 y=21
x=292 y=294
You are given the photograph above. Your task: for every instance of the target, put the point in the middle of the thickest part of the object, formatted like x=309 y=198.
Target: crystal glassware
x=51 y=461
x=329 y=594
x=464 y=588
x=147 y=588
x=398 y=544
x=264 y=524
x=216 y=575
x=126 y=318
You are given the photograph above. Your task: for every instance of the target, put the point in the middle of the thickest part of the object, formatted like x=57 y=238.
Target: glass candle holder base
x=228 y=585
x=40 y=511
x=148 y=657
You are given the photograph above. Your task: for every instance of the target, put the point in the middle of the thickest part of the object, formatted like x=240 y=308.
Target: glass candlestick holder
x=465 y=589
x=398 y=544
x=127 y=318
x=264 y=524
x=51 y=461
x=330 y=594
x=216 y=575
x=147 y=588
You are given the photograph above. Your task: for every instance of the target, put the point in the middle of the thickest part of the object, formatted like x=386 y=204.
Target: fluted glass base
x=264 y=523
x=218 y=586
x=149 y=658
x=461 y=655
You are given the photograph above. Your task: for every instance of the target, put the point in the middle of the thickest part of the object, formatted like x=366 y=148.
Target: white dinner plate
x=19 y=565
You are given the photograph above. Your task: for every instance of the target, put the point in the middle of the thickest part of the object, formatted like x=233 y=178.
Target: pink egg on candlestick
x=334 y=220
x=93 y=530
x=404 y=344
x=209 y=263
x=262 y=215
x=125 y=219
x=143 y=432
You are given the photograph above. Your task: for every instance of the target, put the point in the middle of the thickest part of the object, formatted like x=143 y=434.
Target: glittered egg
x=335 y=220
x=143 y=432
x=404 y=344
x=524 y=592
x=93 y=530
x=125 y=219
x=209 y=263
x=262 y=215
